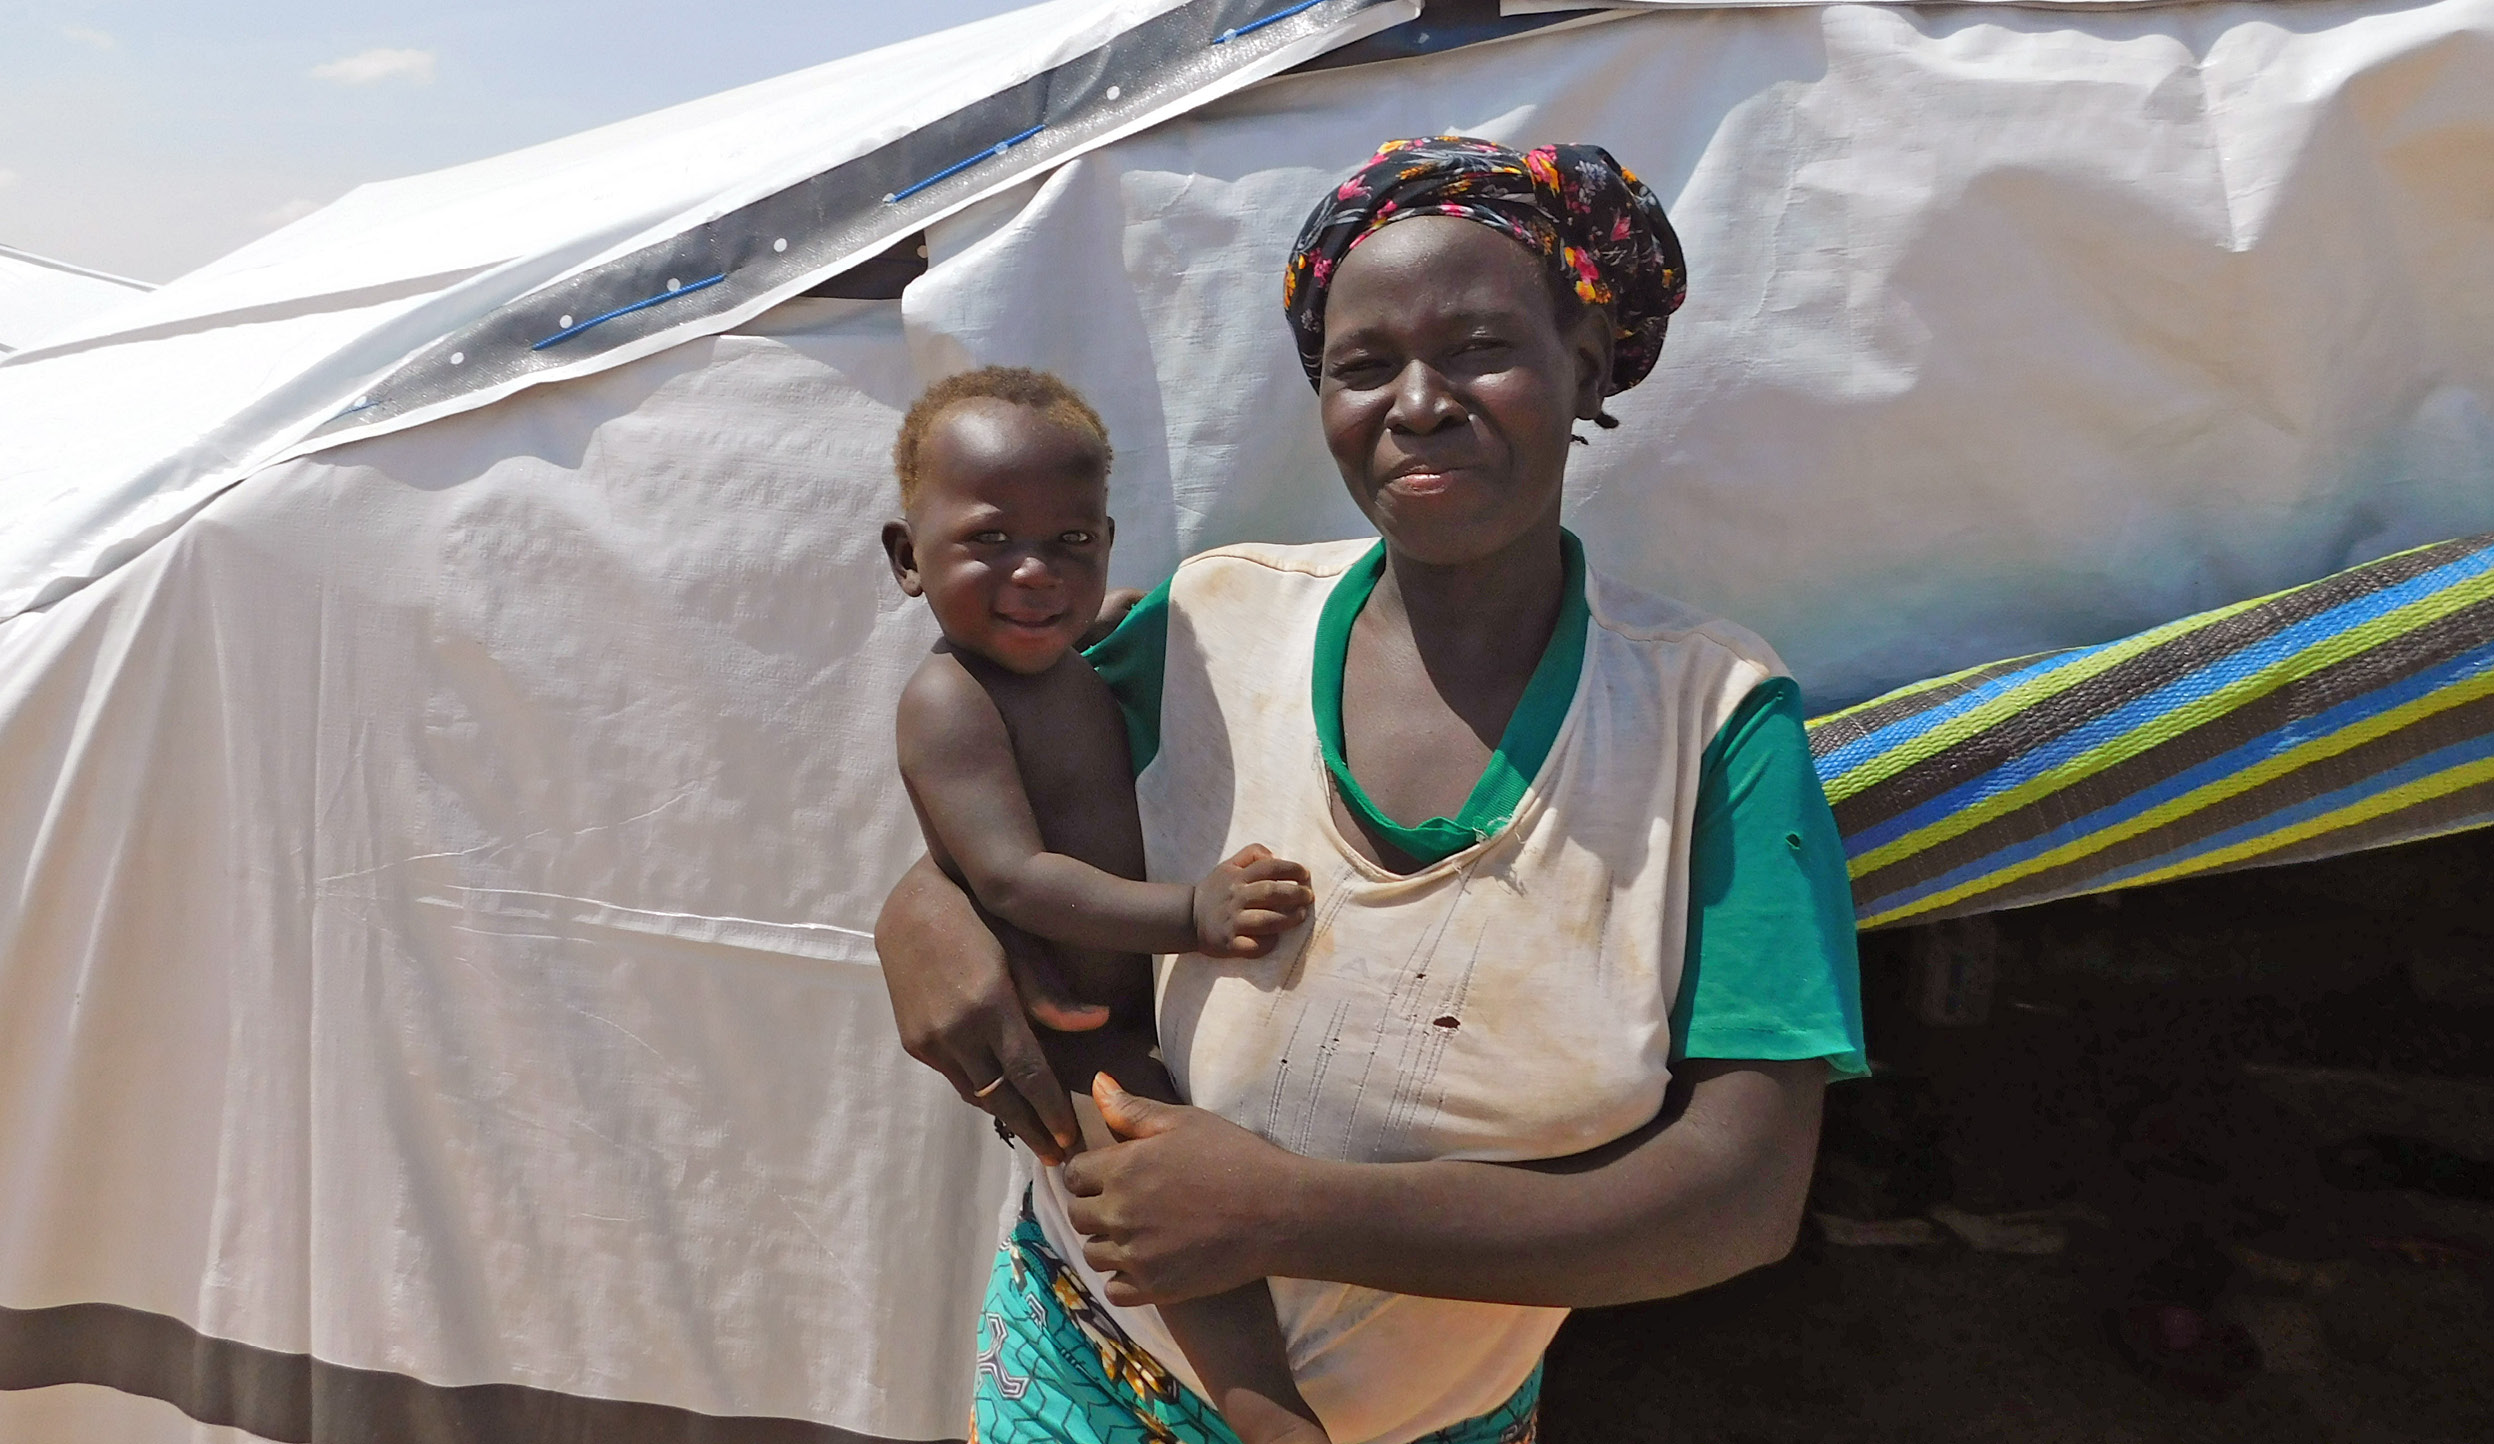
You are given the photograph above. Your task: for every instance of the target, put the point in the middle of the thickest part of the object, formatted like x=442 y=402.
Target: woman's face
x=1450 y=388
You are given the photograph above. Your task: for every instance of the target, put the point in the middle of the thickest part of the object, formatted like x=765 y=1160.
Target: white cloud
x=285 y=215
x=371 y=67
x=92 y=39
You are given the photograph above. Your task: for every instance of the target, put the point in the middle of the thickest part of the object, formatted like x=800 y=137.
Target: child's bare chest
x=1069 y=745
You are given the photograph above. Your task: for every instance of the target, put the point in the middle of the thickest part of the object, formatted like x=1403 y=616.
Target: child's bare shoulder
x=943 y=706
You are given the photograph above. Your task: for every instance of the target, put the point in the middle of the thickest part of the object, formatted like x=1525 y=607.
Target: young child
x=1015 y=757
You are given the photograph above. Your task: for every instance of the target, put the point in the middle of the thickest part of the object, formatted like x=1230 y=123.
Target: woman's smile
x=1424 y=481
x=1449 y=389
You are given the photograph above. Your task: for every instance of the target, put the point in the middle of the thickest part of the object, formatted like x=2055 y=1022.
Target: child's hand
x=1245 y=903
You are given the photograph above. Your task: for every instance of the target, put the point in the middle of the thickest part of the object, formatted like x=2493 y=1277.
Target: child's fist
x=1245 y=903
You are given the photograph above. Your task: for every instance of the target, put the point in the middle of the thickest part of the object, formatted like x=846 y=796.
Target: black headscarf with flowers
x=1587 y=216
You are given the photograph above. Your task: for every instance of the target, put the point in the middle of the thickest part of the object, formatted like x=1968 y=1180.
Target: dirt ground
x=2174 y=1076
x=1942 y=1343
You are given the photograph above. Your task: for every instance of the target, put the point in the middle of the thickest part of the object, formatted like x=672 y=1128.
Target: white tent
x=40 y=297
x=444 y=689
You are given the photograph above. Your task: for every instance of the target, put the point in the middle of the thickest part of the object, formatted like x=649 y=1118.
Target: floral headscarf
x=1586 y=215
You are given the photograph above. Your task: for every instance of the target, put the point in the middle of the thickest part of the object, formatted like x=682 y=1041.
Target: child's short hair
x=1020 y=385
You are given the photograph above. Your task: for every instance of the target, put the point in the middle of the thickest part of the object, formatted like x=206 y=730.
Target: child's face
x=1008 y=539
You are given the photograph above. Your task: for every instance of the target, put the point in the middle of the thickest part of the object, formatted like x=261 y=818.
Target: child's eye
x=1075 y=538
x=989 y=538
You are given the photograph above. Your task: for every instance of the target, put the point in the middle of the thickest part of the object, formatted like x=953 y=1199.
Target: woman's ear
x=901 y=550
x=1590 y=340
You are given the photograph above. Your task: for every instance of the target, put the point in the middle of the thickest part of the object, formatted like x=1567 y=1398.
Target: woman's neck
x=1481 y=624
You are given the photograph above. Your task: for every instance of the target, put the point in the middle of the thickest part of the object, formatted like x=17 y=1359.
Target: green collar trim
x=1522 y=749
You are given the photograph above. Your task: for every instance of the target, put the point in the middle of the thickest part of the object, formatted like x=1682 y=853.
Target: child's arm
x=1235 y=1343
x=957 y=760
x=1234 y=1340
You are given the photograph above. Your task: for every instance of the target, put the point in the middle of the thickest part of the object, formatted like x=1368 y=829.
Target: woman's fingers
x=1014 y=1114
x=1116 y=1269
x=1082 y=1178
x=1044 y=993
x=1113 y=608
x=1146 y=1217
x=958 y=988
x=985 y=1085
x=1031 y=1092
x=1102 y=1255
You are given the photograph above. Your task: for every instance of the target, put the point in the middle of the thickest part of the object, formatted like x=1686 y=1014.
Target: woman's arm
x=960 y=988
x=1712 y=1188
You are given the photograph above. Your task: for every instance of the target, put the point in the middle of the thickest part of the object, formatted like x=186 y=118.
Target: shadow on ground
x=1868 y=1346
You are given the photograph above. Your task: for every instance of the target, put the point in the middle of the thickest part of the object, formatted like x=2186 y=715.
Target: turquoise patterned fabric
x=1056 y=1368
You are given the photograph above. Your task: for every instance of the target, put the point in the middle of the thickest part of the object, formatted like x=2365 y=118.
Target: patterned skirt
x=1056 y=1368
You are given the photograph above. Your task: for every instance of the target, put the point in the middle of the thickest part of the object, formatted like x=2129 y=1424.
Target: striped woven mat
x=2352 y=712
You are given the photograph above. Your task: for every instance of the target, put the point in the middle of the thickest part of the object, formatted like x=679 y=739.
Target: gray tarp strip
x=298 y=1399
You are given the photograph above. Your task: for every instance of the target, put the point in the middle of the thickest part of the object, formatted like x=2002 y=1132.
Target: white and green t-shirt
x=1647 y=870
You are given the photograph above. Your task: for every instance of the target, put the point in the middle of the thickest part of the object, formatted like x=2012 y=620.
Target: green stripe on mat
x=2447 y=638
x=2400 y=722
x=1922 y=768
x=2323 y=653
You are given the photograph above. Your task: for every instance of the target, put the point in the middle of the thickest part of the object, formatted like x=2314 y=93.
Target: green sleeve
x=1770 y=970
x=1132 y=660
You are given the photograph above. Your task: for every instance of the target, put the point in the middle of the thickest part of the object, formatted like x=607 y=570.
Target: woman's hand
x=1114 y=605
x=959 y=995
x=1189 y=1205
x=1709 y=1189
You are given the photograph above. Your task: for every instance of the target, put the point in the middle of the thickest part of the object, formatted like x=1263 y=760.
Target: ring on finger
x=990 y=1088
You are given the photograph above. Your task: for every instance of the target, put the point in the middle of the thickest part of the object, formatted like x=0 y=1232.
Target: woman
x=1582 y=956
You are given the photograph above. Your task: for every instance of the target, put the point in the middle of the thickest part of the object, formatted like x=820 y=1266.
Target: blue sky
x=149 y=136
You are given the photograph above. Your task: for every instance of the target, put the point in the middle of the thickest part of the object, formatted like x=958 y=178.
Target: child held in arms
x=1014 y=753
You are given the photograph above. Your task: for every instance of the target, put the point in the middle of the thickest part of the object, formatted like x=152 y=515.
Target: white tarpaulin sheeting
x=435 y=876
x=41 y=297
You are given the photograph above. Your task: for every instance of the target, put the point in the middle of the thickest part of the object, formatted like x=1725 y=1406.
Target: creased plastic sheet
x=438 y=891
x=224 y=368
x=40 y=298
x=434 y=879
x=2007 y=331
